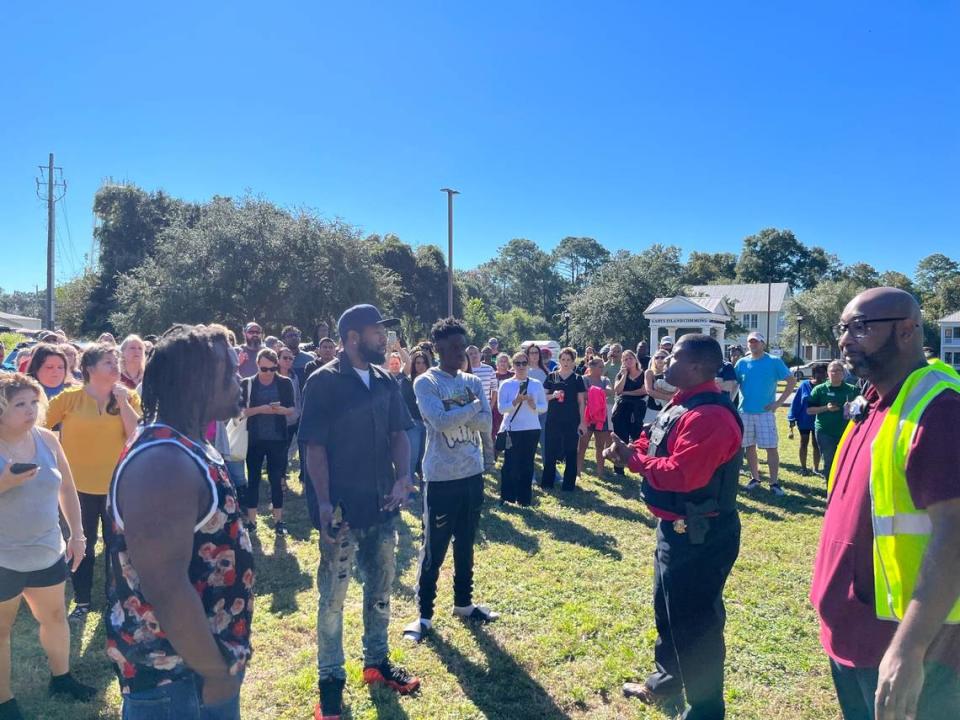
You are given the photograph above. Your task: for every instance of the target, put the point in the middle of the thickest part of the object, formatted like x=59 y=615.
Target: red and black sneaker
x=393 y=676
x=330 y=706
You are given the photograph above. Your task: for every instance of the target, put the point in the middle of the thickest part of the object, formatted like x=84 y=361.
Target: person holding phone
x=35 y=485
x=567 y=400
x=826 y=403
x=268 y=399
x=521 y=401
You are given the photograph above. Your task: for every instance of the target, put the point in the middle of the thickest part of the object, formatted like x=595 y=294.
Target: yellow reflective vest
x=901 y=531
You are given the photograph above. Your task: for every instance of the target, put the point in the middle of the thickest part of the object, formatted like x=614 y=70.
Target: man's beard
x=873 y=366
x=253 y=342
x=371 y=355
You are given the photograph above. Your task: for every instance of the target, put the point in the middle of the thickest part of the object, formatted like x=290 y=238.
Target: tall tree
x=250 y=260
x=933 y=270
x=821 y=307
x=528 y=279
x=892 y=278
x=704 y=268
x=129 y=222
x=863 y=274
x=777 y=256
x=578 y=258
x=611 y=307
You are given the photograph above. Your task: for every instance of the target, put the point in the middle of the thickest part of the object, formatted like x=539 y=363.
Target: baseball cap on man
x=360 y=316
x=251 y=325
x=666 y=340
x=756 y=336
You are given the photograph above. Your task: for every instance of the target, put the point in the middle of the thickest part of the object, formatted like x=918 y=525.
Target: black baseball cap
x=360 y=316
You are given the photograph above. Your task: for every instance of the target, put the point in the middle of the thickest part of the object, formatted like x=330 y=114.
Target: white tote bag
x=237 y=436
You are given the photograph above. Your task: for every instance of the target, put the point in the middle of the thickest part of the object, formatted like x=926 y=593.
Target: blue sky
x=694 y=123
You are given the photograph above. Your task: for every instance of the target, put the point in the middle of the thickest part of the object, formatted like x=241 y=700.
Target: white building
x=20 y=321
x=707 y=315
x=756 y=306
x=950 y=339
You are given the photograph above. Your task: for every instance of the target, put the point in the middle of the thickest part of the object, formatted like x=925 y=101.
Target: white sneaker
x=753 y=485
x=477 y=613
x=417 y=630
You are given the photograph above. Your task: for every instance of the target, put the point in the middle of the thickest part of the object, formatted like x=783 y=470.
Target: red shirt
x=702 y=440
x=842 y=589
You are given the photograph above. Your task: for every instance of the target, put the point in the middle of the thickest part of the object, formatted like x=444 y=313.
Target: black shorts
x=805 y=433
x=13 y=582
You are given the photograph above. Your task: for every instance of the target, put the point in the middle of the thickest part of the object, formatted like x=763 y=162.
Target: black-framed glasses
x=520 y=363
x=860 y=327
x=273 y=368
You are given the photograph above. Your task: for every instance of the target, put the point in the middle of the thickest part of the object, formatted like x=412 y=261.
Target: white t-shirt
x=365 y=376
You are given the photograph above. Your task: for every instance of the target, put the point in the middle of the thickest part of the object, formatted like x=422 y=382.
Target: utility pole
x=450 y=193
x=48 y=177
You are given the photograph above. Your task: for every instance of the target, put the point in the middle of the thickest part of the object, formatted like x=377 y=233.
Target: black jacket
x=285 y=390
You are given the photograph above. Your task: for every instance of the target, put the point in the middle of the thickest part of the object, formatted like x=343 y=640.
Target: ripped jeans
x=374 y=549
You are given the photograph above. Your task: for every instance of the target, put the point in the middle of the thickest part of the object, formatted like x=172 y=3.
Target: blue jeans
x=857 y=687
x=180 y=700
x=237 y=470
x=374 y=549
x=417 y=435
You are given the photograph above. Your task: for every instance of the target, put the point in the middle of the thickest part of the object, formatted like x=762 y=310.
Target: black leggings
x=93 y=516
x=275 y=452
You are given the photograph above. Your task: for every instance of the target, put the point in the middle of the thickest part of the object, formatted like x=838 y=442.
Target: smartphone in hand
x=21 y=468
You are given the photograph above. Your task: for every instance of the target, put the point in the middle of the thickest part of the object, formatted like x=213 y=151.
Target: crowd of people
x=157 y=445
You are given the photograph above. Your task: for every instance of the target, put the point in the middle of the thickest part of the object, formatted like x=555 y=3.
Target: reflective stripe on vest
x=901 y=530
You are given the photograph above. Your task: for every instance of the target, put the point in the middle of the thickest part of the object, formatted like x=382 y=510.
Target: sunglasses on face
x=273 y=368
x=520 y=364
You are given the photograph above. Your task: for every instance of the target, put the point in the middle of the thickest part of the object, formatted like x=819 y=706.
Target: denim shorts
x=179 y=700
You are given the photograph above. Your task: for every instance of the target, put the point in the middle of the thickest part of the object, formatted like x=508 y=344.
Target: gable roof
x=747 y=298
x=684 y=304
x=952 y=317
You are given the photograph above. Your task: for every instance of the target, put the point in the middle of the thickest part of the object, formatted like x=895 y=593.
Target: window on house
x=948 y=333
x=751 y=321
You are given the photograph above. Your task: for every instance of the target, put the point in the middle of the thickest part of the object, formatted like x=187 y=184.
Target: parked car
x=805 y=372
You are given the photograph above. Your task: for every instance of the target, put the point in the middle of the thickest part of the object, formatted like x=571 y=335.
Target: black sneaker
x=330 y=706
x=393 y=676
x=66 y=686
x=281 y=528
x=79 y=613
x=9 y=710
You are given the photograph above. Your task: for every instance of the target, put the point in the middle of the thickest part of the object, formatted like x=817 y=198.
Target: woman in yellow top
x=96 y=421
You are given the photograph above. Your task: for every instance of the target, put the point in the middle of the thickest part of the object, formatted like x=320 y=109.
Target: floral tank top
x=221 y=571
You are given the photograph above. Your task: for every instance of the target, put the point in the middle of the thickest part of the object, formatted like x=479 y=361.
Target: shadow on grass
x=387 y=703
x=280 y=576
x=502 y=689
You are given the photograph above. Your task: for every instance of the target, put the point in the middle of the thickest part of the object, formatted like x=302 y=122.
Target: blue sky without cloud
x=693 y=124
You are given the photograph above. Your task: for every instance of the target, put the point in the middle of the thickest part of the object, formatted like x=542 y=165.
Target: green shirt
x=610 y=371
x=831 y=423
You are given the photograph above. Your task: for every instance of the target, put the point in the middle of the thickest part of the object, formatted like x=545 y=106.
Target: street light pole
x=450 y=193
x=799 y=359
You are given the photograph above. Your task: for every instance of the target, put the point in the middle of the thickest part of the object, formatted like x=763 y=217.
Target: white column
x=721 y=330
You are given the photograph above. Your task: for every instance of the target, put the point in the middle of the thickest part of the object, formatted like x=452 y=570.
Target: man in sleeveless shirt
x=181 y=579
x=689 y=462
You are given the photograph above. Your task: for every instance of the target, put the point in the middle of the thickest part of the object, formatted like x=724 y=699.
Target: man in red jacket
x=689 y=459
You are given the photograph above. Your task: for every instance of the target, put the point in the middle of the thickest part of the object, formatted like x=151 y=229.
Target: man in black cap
x=689 y=460
x=354 y=426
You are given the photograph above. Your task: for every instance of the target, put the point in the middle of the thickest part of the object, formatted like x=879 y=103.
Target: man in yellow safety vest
x=886 y=581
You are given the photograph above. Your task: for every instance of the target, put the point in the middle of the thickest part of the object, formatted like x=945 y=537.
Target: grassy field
x=573 y=578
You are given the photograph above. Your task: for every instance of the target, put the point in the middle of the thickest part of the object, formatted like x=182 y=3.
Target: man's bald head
x=883 y=302
x=891 y=346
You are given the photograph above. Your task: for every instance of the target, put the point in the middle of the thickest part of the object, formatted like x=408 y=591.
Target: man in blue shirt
x=758 y=374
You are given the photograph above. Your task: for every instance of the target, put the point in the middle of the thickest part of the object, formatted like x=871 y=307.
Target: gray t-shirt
x=453 y=422
x=30 y=535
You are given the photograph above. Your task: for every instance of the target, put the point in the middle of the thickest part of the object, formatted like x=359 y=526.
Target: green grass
x=573 y=579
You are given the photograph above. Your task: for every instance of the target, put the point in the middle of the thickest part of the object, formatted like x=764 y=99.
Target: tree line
x=164 y=260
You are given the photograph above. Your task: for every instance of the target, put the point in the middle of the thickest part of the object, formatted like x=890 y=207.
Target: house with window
x=950 y=339
x=756 y=306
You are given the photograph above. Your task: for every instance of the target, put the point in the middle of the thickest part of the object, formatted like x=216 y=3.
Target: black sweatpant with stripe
x=451 y=510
